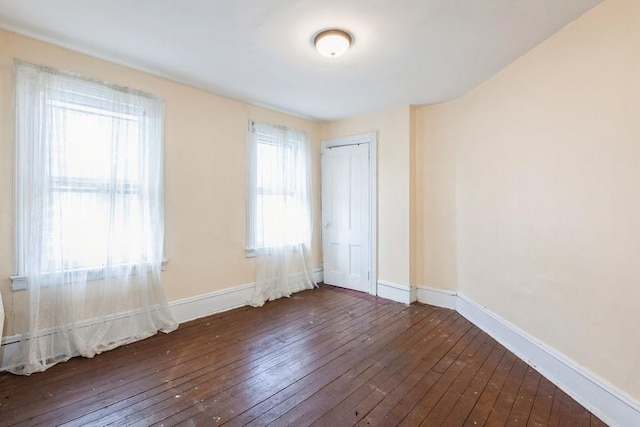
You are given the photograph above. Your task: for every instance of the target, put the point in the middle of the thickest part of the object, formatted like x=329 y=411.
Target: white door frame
x=370 y=138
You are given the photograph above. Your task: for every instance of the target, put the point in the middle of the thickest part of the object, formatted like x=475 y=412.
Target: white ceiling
x=260 y=51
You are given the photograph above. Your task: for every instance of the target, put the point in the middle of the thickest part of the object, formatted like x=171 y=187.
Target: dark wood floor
x=323 y=357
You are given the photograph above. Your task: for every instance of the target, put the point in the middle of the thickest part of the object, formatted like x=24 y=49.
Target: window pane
x=276 y=167
x=280 y=221
x=276 y=205
x=268 y=165
x=95 y=164
x=86 y=144
x=84 y=229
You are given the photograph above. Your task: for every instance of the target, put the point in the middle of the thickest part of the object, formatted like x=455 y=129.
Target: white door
x=345 y=216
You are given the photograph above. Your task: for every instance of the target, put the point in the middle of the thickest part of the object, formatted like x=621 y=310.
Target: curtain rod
x=51 y=70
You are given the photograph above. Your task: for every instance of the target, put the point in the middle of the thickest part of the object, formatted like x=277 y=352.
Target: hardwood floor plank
x=565 y=410
x=396 y=406
x=576 y=415
x=121 y=359
x=597 y=422
x=322 y=357
x=521 y=409
x=554 y=415
x=341 y=363
x=157 y=374
x=502 y=408
x=404 y=398
x=456 y=366
x=447 y=402
x=224 y=374
x=292 y=397
x=311 y=409
x=489 y=396
x=367 y=397
x=472 y=393
x=220 y=388
x=541 y=408
x=398 y=401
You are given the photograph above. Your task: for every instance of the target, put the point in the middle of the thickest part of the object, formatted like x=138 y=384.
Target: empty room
x=331 y=213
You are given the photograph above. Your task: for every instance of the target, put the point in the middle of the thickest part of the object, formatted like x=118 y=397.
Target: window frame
x=88 y=104
x=252 y=250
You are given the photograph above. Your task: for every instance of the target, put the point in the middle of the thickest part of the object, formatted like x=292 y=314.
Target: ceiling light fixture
x=332 y=43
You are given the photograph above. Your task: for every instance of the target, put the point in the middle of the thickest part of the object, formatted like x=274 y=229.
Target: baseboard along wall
x=183 y=310
x=610 y=405
x=395 y=292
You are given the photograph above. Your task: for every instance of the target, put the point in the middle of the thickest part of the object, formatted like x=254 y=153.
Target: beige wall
x=435 y=197
x=544 y=162
x=205 y=173
x=393 y=133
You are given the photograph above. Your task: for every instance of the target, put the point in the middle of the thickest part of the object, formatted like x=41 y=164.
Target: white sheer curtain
x=279 y=211
x=90 y=225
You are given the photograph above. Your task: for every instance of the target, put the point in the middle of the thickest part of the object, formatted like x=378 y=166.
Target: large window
x=89 y=173
x=278 y=207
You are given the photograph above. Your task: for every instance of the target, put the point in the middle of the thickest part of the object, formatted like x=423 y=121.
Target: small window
x=278 y=206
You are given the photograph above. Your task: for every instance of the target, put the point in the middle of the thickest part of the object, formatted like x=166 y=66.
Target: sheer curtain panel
x=90 y=222
x=279 y=224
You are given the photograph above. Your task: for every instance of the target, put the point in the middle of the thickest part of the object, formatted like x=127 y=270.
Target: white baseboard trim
x=204 y=305
x=192 y=308
x=7 y=350
x=183 y=310
x=395 y=292
x=438 y=297
x=318 y=274
x=413 y=293
x=9 y=345
x=610 y=405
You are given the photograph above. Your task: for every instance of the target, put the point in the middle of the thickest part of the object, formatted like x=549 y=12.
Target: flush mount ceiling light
x=332 y=43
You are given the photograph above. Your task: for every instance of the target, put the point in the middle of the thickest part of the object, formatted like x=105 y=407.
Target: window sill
x=19 y=282
x=253 y=253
